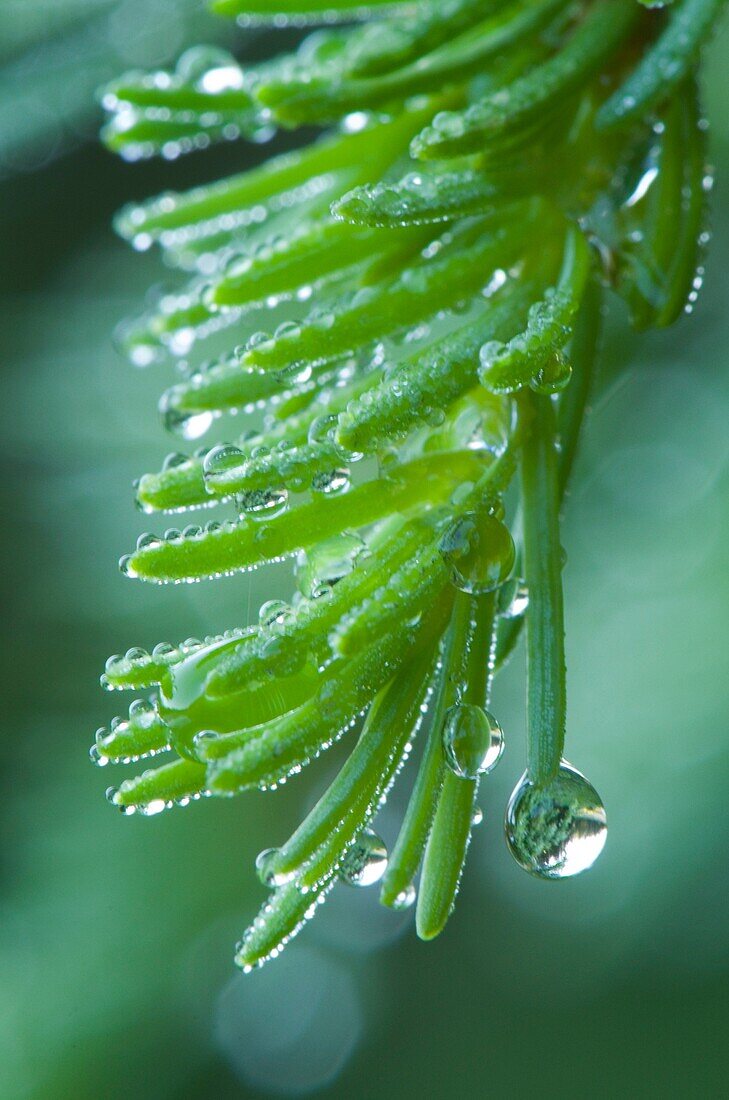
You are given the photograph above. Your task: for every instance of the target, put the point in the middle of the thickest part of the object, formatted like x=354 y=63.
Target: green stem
x=546 y=684
x=572 y=408
x=573 y=402
x=445 y=853
x=358 y=790
x=408 y=851
x=664 y=65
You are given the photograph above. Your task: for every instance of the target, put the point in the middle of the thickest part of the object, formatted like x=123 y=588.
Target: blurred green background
x=116 y=936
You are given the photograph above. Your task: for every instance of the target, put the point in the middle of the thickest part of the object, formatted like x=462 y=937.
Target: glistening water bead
x=188 y=708
x=265 y=872
x=513 y=599
x=319 y=568
x=557 y=830
x=366 y=861
x=262 y=503
x=480 y=552
x=554 y=375
x=472 y=741
x=404 y=899
x=222 y=458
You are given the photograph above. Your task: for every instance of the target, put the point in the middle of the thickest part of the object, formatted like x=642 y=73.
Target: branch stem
x=546 y=681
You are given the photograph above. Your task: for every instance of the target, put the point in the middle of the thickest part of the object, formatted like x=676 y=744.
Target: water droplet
x=557 y=830
x=553 y=376
x=196 y=61
x=253 y=341
x=147 y=541
x=365 y=862
x=322 y=428
x=220 y=459
x=318 y=569
x=265 y=872
x=188 y=425
x=126 y=567
x=290 y=330
x=263 y=502
x=333 y=481
x=296 y=374
x=514 y=599
x=643 y=185
x=222 y=78
x=183 y=704
x=472 y=741
x=175 y=458
x=477 y=817
x=97 y=757
x=181 y=342
x=276 y=614
x=480 y=552
x=141 y=709
x=151 y=809
x=448 y=124
x=141 y=242
x=405 y=898
x=204 y=737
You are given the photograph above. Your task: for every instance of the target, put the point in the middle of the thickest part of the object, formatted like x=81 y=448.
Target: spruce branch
x=407 y=312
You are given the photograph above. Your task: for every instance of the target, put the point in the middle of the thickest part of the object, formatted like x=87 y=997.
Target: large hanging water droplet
x=480 y=552
x=473 y=741
x=365 y=862
x=557 y=830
